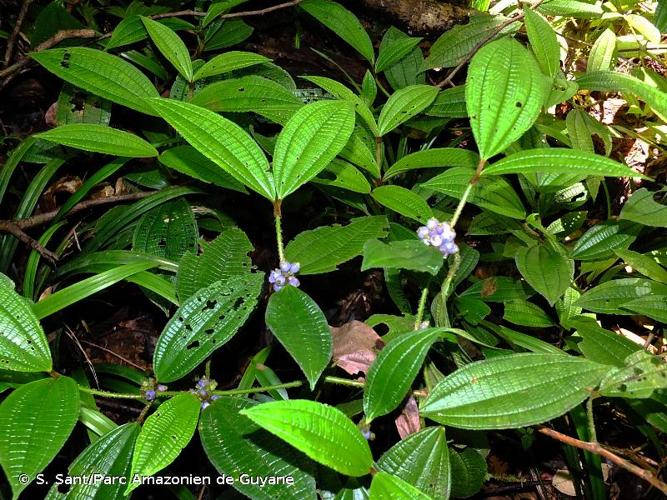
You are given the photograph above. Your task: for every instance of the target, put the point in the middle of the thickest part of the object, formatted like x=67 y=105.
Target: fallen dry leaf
x=354 y=346
x=408 y=421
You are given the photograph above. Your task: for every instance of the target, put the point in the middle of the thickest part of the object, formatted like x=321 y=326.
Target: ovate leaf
x=433 y=158
x=642 y=208
x=602 y=52
x=422 y=460
x=559 y=161
x=301 y=327
x=229 y=61
x=23 y=345
x=542 y=38
x=35 y=421
x=169 y=230
x=547 y=270
x=221 y=141
x=204 y=322
x=642 y=374
x=343 y=175
x=393 y=371
x=164 y=434
x=522 y=312
x=110 y=455
x=102 y=74
x=99 y=139
x=171 y=46
x=504 y=95
x=322 y=249
x=405 y=104
x=235 y=445
x=387 y=486
x=405 y=202
x=600 y=241
x=310 y=140
x=468 y=472
x=610 y=297
x=342 y=22
x=320 y=431
x=408 y=254
x=394 y=50
x=512 y=391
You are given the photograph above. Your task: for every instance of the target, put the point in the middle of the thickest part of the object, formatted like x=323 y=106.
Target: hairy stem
x=421 y=308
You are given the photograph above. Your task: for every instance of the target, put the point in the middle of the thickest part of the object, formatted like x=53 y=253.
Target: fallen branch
x=596 y=448
x=7 y=226
x=11 y=42
x=231 y=15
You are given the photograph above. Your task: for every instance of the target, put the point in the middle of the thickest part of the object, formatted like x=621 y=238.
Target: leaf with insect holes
x=171 y=46
x=164 y=434
x=23 y=344
x=512 y=391
x=404 y=104
x=102 y=74
x=35 y=421
x=301 y=327
x=320 y=431
x=504 y=95
x=221 y=141
x=99 y=139
x=203 y=323
x=310 y=140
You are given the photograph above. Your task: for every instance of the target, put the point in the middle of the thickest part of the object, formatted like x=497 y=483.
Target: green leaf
x=468 y=472
x=360 y=152
x=643 y=264
x=644 y=27
x=559 y=161
x=496 y=195
x=405 y=202
x=342 y=22
x=395 y=368
x=653 y=306
x=205 y=322
x=385 y=486
x=221 y=141
x=405 y=104
x=320 y=431
x=23 y=344
x=87 y=287
x=343 y=175
x=111 y=456
x=409 y=254
x=101 y=74
x=611 y=297
x=546 y=269
x=457 y=43
x=449 y=103
x=310 y=140
x=642 y=374
x=187 y=160
x=512 y=391
x=35 y=421
x=601 y=345
x=611 y=81
x=600 y=241
x=324 y=248
x=542 y=38
x=602 y=53
x=169 y=230
x=301 y=327
x=642 y=208
x=171 y=46
x=408 y=70
x=229 y=61
x=521 y=312
x=235 y=445
x=574 y=8
x=504 y=95
x=422 y=460
x=164 y=434
x=393 y=51
x=433 y=158
x=99 y=139
x=496 y=289
x=250 y=94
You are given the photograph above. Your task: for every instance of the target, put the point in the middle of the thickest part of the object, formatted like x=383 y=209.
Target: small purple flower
x=202 y=382
x=440 y=235
x=202 y=393
x=161 y=388
x=368 y=435
x=149 y=395
x=284 y=275
x=215 y=397
x=205 y=404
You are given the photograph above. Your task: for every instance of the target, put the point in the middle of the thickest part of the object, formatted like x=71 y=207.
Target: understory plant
x=523 y=295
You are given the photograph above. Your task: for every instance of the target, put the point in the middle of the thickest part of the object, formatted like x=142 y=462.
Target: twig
x=109 y=351
x=11 y=42
x=603 y=452
x=481 y=43
x=7 y=226
x=230 y=15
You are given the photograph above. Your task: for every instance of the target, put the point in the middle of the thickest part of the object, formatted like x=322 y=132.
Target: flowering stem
x=251 y=390
x=466 y=193
x=343 y=381
x=105 y=394
x=421 y=308
x=279 y=231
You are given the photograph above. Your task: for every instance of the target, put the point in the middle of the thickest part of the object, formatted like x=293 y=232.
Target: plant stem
x=343 y=381
x=421 y=308
x=105 y=394
x=378 y=152
x=592 y=434
x=251 y=390
x=279 y=231
x=466 y=193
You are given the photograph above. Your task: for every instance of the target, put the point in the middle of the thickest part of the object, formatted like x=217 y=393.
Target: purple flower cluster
x=439 y=234
x=284 y=275
x=150 y=390
x=203 y=390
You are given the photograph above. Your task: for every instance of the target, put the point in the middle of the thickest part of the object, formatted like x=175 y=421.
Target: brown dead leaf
x=408 y=421
x=354 y=346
